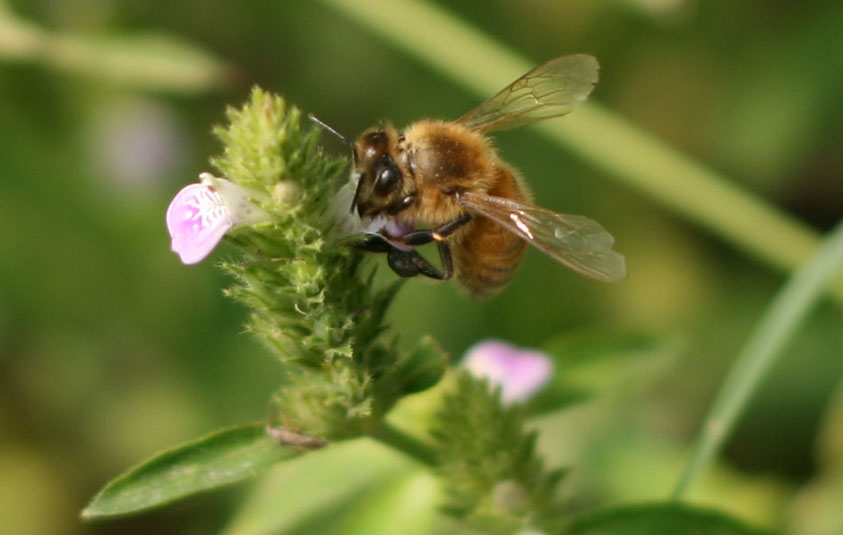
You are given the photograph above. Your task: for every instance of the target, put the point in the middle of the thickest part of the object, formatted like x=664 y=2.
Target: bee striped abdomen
x=488 y=255
x=487 y=258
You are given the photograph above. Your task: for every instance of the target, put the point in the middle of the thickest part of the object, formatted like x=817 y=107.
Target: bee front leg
x=411 y=263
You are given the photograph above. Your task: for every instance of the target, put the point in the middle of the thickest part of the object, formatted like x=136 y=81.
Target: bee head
x=380 y=180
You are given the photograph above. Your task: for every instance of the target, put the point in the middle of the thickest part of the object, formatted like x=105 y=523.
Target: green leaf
x=406 y=504
x=215 y=460
x=423 y=367
x=588 y=364
x=313 y=492
x=672 y=518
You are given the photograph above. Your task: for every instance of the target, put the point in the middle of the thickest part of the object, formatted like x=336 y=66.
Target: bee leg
x=445 y=258
x=406 y=263
x=411 y=263
x=439 y=234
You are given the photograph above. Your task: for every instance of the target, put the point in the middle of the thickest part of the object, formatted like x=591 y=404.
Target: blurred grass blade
x=212 y=461
x=146 y=61
x=781 y=319
x=630 y=154
x=658 y=518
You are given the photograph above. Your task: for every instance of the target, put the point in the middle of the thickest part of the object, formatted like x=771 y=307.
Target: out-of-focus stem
x=783 y=316
x=148 y=61
x=393 y=437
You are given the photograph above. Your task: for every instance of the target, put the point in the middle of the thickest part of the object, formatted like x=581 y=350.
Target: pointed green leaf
x=423 y=367
x=215 y=460
x=672 y=518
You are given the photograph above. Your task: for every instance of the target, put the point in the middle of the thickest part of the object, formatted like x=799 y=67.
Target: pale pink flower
x=200 y=215
x=519 y=373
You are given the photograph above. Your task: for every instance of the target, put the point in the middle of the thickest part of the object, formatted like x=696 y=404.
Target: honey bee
x=443 y=182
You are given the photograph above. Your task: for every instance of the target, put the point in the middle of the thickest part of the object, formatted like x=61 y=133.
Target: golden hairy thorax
x=441 y=156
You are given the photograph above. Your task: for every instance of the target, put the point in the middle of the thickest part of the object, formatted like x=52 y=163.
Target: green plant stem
x=397 y=439
x=783 y=316
x=629 y=154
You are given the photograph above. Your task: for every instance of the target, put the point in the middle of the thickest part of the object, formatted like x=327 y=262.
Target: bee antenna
x=329 y=128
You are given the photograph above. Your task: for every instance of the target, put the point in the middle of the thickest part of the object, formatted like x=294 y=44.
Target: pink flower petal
x=197 y=219
x=520 y=373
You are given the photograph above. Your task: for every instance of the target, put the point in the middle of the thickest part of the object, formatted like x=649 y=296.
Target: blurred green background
x=110 y=349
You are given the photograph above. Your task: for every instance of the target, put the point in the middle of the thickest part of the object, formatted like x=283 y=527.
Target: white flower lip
x=346 y=223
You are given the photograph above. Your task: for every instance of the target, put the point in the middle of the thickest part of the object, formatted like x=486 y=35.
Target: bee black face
x=380 y=178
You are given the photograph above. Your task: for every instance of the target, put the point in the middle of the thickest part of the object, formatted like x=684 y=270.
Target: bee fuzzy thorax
x=442 y=152
x=444 y=158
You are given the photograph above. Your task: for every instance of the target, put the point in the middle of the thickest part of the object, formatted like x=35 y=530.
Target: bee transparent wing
x=550 y=90
x=574 y=241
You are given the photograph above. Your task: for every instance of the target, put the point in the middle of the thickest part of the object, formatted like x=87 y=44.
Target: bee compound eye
x=387 y=179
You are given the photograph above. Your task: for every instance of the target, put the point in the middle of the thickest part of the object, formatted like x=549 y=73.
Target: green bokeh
x=110 y=349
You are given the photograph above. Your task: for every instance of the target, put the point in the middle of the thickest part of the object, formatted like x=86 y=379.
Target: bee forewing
x=574 y=241
x=550 y=90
